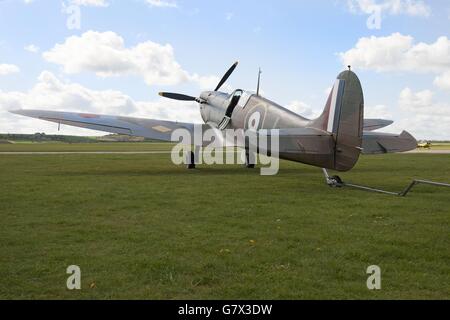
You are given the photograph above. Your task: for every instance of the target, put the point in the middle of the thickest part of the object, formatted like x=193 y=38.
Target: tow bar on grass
x=337 y=182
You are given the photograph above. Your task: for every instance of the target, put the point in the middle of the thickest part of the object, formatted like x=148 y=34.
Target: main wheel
x=335 y=182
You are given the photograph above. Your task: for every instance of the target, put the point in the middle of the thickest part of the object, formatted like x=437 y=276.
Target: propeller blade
x=177 y=96
x=227 y=75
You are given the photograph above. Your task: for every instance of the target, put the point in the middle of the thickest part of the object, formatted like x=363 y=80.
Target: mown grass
x=85 y=147
x=141 y=228
x=440 y=146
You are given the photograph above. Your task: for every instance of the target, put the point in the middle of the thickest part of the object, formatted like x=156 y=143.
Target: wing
x=375 y=124
x=376 y=143
x=310 y=140
x=148 y=128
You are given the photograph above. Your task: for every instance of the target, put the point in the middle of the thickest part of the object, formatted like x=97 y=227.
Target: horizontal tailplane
x=378 y=143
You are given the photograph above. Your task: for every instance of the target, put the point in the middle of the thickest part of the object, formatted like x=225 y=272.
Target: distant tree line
x=42 y=137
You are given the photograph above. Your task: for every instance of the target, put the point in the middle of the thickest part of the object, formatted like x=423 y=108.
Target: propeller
x=183 y=97
x=177 y=96
x=227 y=75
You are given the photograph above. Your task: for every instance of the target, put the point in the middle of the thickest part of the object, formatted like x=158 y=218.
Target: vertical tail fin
x=343 y=117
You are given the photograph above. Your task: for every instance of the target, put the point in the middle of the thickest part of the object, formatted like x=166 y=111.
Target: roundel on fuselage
x=254 y=120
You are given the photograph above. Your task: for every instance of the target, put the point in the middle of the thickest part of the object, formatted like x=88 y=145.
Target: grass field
x=84 y=147
x=141 y=228
x=440 y=146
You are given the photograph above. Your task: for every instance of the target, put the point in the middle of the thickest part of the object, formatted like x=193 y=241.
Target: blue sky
x=126 y=51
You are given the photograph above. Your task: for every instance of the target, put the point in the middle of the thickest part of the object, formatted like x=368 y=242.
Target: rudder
x=343 y=117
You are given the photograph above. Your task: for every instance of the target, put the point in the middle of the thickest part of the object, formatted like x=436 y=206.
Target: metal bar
x=335 y=181
x=416 y=182
x=370 y=189
x=408 y=189
x=440 y=184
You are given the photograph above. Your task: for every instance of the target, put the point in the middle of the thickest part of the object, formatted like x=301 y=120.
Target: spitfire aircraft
x=334 y=140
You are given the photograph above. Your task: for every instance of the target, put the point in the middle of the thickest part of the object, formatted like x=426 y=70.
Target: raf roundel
x=254 y=120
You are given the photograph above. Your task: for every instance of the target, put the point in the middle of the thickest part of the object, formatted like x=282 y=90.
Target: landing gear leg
x=192 y=157
x=333 y=181
x=190 y=160
x=249 y=160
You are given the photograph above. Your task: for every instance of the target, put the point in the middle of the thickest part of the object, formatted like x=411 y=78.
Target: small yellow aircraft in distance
x=424 y=145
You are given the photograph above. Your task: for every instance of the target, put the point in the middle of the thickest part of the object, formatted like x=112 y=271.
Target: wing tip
x=18 y=111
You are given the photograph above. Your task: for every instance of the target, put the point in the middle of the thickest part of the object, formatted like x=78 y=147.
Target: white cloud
x=50 y=93
x=415 y=102
x=105 y=3
x=162 y=3
x=392 y=7
x=422 y=102
x=32 y=48
x=377 y=112
x=6 y=69
x=208 y=82
x=90 y=3
x=303 y=109
x=84 y=3
x=423 y=116
x=443 y=81
x=418 y=112
x=105 y=54
x=398 y=52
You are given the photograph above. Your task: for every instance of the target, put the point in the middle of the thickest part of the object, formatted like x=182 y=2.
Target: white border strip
x=331 y=115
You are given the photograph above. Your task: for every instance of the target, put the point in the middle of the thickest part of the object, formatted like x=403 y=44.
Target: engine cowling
x=215 y=106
